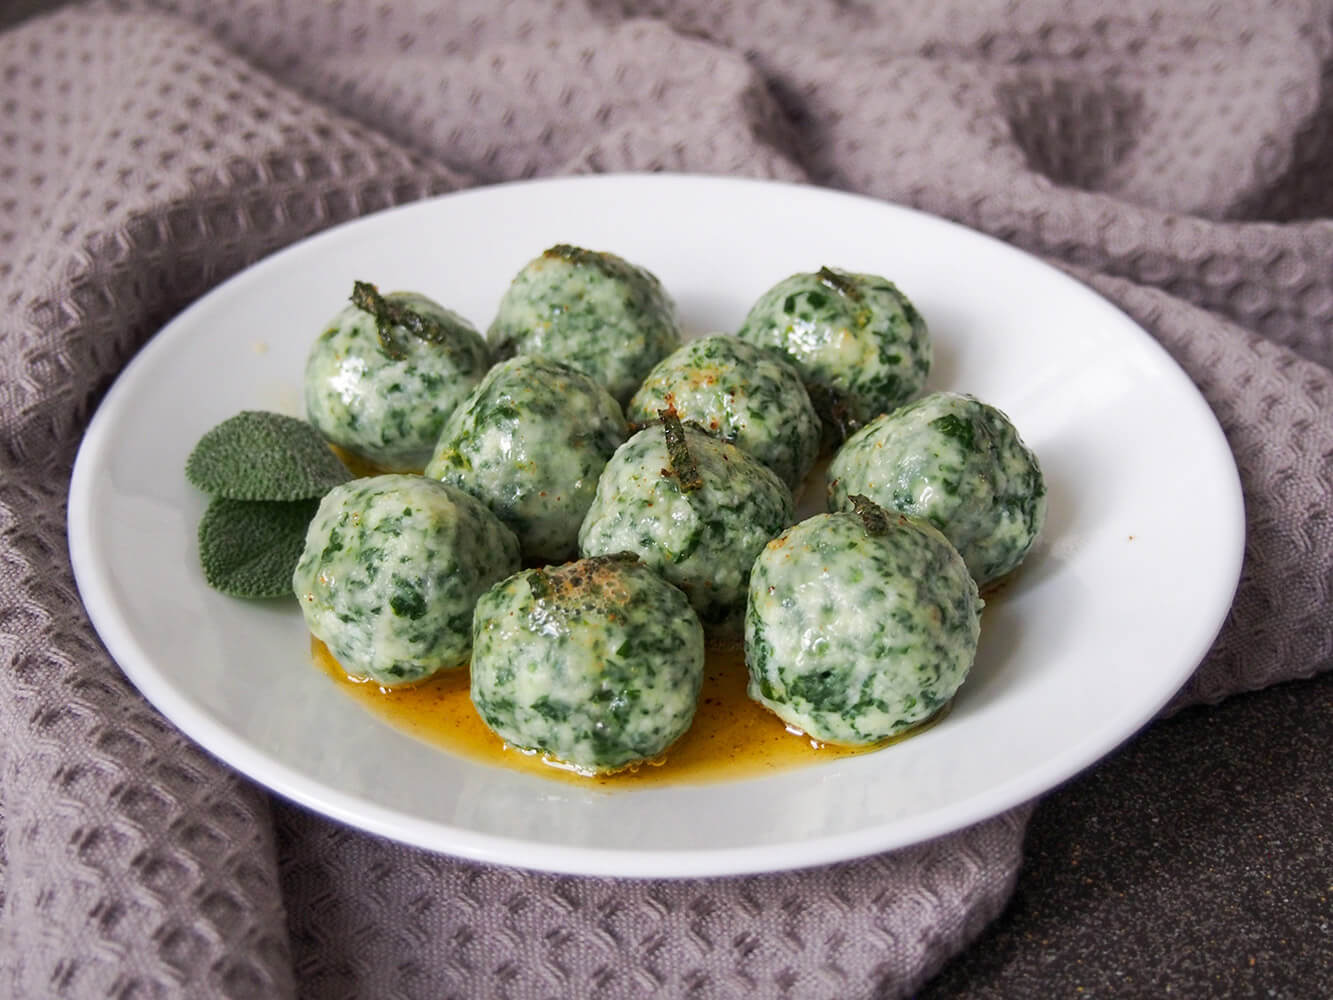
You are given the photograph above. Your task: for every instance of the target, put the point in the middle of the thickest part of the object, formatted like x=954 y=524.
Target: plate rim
x=258 y=766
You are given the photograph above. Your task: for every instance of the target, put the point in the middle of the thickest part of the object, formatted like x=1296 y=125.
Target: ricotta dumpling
x=958 y=463
x=857 y=630
x=530 y=443
x=697 y=512
x=392 y=568
x=385 y=397
x=856 y=340
x=596 y=664
x=739 y=393
x=596 y=312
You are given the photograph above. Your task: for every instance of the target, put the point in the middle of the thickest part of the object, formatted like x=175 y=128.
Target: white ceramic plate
x=1112 y=612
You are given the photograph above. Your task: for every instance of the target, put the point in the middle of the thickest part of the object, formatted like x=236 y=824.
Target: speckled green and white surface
x=597 y=663
x=853 y=637
x=388 y=410
x=391 y=570
x=960 y=464
x=592 y=310
x=703 y=541
x=739 y=393
x=530 y=443
x=856 y=334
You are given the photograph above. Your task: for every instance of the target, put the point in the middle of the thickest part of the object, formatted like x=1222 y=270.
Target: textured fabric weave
x=1174 y=155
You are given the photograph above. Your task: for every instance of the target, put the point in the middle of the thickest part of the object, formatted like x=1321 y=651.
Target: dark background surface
x=1196 y=861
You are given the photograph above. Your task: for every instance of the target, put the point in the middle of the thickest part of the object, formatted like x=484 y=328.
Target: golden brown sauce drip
x=731 y=736
x=356 y=465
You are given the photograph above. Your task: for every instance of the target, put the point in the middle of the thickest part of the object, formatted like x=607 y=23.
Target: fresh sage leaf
x=249 y=548
x=257 y=455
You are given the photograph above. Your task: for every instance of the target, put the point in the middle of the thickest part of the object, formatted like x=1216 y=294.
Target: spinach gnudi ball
x=386 y=372
x=391 y=570
x=695 y=509
x=596 y=312
x=596 y=664
x=859 y=625
x=856 y=339
x=958 y=463
x=740 y=393
x=530 y=443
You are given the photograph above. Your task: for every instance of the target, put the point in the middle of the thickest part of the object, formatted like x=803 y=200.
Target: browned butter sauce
x=731 y=736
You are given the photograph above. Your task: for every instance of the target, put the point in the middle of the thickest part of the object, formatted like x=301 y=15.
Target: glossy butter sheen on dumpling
x=704 y=539
x=387 y=406
x=530 y=443
x=958 y=463
x=392 y=568
x=596 y=664
x=740 y=393
x=855 y=632
x=594 y=311
x=856 y=336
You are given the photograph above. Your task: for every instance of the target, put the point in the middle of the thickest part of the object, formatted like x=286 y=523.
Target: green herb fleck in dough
x=596 y=664
x=704 y=540
x=391 y=569
x=959 y=464
x=381 y=380
x=596 y=312
x=856 y=335
x=248 y=548
x=743 y=394
x=257 y=455
x=853 y=637
x=530 y=442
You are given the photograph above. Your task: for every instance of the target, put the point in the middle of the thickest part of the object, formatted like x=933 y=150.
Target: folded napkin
x=1174 y=155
